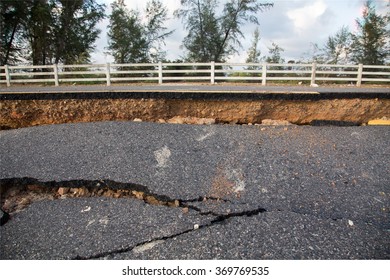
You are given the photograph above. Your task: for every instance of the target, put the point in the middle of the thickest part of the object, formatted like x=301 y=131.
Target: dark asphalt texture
x=290 y=192
x=86 y=227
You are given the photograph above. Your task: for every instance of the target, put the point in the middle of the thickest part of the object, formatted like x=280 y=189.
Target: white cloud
x=304 y=18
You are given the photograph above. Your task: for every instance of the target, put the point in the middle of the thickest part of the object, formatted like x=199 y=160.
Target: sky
x=292 y=24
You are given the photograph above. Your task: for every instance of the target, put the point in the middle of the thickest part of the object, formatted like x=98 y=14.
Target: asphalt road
x=253 y=192
x=194 y=88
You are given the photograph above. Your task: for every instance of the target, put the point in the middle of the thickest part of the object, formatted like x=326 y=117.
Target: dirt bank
x=24 y=113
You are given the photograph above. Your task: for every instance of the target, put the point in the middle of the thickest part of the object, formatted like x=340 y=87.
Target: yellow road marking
x=379 y=122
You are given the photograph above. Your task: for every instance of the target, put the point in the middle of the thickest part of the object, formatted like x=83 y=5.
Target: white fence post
x=55 y=70
x=313 y=74
x=108 y=74
x=359 y=75
x=212 y=72
x=264 y=74
x=7 y=76
x=160 y=73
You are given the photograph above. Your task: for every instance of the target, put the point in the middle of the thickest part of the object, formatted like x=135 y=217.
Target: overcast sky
x=292 y=24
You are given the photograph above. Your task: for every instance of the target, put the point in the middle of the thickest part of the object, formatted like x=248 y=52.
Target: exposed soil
x=25 y=113
x=16 y=195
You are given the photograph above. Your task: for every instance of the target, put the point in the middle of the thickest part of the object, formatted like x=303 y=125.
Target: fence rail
x=181 y=72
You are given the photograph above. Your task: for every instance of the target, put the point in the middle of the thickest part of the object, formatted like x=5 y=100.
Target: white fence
x=183 y=72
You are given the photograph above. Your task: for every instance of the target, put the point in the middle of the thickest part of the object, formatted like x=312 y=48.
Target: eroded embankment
x=24 y=111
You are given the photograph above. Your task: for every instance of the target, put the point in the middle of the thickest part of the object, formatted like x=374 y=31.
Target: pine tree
x=254 y=54
x=50 y=31
x=275 y=54
x=127 y=42
x=337 y=48
x=370 y=44
x=74 y=29
x=156 y=15
x=203 y=38
x=130 y=40
x=12 y=15
x=213 y=37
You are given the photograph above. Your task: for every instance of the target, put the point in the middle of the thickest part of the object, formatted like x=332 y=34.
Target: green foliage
x=200 y=20
x=275 y=54
x=12 y=15
x=370 y=45
x=126 y=40
x=156 y=15
x=74 y=29
x=64 y=31
x=38 y=31
x=254 y=55
x=50 y=31
x=338 y=47
x=213 y=37
x=131 y=41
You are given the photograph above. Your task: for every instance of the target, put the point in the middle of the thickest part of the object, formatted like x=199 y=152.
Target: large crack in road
x=18 y=193
x=146 y=245
x=28 y=190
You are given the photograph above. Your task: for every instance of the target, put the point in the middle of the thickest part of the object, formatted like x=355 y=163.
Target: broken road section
x=325 y=179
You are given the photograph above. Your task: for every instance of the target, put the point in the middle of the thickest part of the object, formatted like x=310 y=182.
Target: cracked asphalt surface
x=252 y=192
